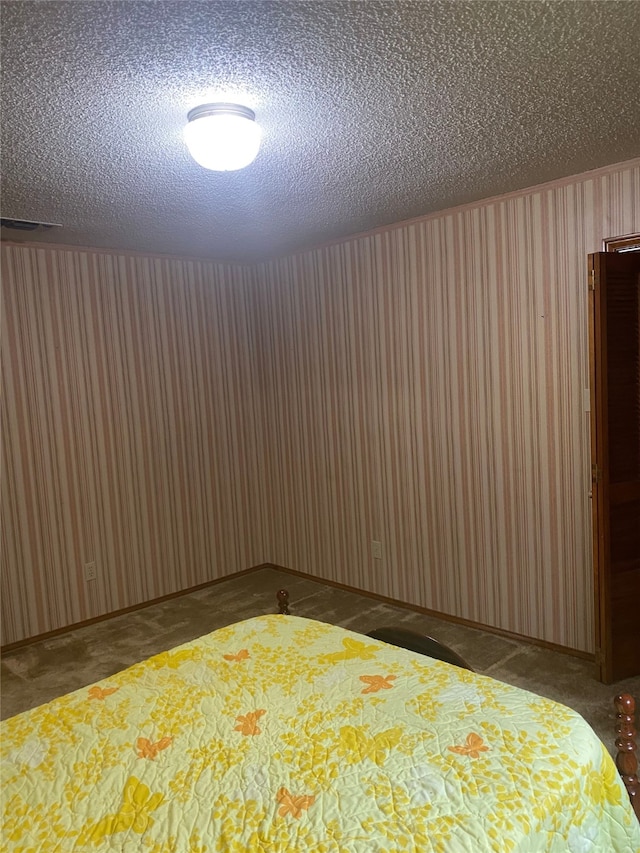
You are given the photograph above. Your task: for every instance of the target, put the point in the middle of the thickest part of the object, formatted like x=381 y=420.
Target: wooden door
x=614 y=282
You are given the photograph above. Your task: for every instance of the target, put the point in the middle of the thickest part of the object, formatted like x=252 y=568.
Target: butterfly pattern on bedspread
x=286 y=734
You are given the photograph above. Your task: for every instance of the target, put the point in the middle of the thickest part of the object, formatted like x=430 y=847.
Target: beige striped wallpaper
x=129 y=438
x=422 y=386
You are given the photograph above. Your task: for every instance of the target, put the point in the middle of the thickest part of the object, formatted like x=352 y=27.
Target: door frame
x=599 y=480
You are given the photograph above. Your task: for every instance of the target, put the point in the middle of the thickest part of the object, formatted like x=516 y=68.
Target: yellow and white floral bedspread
x=286 y=734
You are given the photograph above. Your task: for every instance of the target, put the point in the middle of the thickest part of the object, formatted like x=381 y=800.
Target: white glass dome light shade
x=222 y=137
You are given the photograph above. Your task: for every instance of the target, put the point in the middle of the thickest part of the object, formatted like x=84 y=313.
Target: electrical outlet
x=90 y=572
x=376 y=550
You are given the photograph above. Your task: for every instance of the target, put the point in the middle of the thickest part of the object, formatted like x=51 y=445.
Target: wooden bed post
x=626 y=760
x=283 y=601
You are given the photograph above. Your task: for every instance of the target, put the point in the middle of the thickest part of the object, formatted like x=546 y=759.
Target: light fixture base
x=220 y=108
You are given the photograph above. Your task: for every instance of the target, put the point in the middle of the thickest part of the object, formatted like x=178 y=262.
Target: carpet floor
x=39 y=672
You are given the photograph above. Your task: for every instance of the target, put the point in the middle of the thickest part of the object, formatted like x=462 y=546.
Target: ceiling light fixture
x=222 y=137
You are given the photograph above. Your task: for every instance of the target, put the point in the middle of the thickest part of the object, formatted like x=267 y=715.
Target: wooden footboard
x=626 y=760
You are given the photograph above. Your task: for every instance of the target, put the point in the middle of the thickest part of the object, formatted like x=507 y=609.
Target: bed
x=280 y=733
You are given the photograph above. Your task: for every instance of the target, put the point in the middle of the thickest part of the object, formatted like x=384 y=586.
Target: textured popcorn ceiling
x=372 y=112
